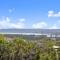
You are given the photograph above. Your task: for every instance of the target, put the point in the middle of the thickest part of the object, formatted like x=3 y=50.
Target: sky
x=37 y=14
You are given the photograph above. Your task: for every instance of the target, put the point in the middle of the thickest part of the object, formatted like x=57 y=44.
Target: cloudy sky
x=43 y=14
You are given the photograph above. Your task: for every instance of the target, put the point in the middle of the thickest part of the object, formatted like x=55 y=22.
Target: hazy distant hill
x=41 y=31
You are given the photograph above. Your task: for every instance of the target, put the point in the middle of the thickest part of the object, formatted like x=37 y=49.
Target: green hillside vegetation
x=21 y=49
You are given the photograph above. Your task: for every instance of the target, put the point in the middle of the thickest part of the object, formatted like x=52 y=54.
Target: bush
x=21 y=49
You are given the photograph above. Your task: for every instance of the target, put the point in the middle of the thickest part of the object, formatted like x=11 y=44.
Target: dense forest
x=22 y=49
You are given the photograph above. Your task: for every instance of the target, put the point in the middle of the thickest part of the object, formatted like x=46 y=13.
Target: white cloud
x=45 y=25
x=41 y=25
x=53 y=27
x=58 y=21
x=52 y=14
x=56 y=25
x=22 y=20
x=7 y=23
x=20 y=23
x=11 y=10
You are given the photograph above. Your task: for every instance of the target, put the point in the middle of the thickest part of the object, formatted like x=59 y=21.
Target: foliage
x=21 y=49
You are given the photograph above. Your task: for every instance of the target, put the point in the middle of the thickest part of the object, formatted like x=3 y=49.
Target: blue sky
x=43 y=14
